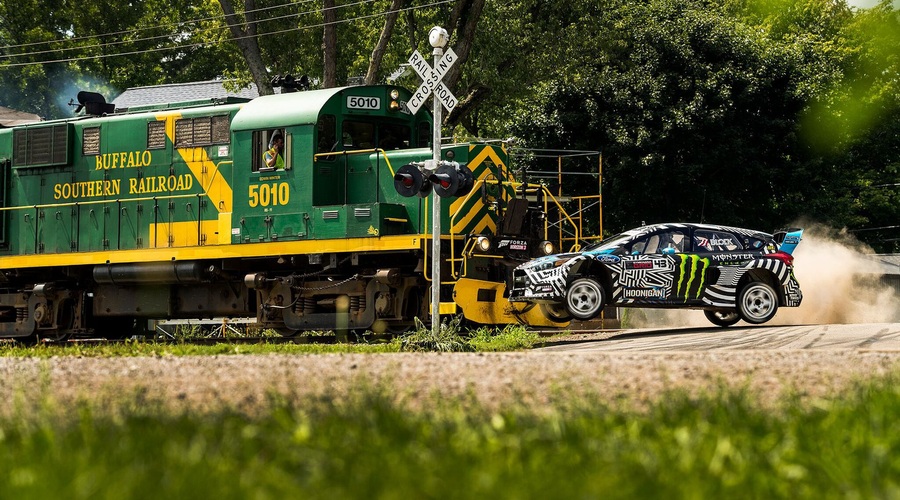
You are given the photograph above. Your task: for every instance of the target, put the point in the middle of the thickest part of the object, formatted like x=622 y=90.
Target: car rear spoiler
x=788 y=239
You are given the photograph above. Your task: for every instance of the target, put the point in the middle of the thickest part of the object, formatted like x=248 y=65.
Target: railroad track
x=238 y=337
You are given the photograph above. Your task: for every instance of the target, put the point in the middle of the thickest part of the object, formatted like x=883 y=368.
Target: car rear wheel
x=585 y=299
x=757 y=302
x=556 y=312
x=722 y=318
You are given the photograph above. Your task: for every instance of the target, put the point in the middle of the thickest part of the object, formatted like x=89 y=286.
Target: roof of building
x=180 y=92
x=12 y=118
x=886 y=263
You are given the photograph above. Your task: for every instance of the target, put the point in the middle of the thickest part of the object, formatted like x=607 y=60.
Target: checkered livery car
x=730 y=273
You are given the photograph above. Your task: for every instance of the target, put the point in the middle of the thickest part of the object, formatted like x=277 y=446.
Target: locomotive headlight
x=394 y=105
x=546 y=247
x=483 y=243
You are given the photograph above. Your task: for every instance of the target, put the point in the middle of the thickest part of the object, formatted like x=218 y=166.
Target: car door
x=727 y=253
x=649 y=267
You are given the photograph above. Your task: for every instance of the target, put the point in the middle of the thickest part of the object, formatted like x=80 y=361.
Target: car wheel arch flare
x=766 y=277
x=590 y=268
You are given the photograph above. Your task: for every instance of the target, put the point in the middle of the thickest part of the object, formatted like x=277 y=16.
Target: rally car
x=730 y=273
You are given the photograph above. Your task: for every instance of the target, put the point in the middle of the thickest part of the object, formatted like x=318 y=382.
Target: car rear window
x=716 y=241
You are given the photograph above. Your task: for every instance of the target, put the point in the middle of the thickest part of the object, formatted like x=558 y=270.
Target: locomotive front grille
x=330 y=215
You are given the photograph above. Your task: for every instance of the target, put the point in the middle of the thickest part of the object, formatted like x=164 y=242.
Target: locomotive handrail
x=360 y=152
x=474 y=190
x=211 y=179
x=100 y=202
x=562 y=210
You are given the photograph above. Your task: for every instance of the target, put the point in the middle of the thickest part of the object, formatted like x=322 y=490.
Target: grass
x=721 y=445
x=452 y=338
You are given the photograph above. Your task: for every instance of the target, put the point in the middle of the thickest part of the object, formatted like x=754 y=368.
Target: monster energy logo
x=692 y=273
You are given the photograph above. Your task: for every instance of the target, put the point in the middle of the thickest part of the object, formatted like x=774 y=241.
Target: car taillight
x=785 y=257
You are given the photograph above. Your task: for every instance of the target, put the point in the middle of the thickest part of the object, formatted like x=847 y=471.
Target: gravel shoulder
x=536 y=379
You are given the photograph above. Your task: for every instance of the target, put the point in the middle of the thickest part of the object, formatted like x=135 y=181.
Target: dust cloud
x=838 y=278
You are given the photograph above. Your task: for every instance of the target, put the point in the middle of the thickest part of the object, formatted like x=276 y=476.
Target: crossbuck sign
x=431 y=81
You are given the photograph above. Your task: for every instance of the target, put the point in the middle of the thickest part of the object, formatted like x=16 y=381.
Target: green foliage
x=718 y=445
x=132 y=348
x=508 y=338
x=452 y=338
x=447 y=338
x=747 y=113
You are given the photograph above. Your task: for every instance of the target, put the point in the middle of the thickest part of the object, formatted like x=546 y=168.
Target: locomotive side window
x=358 y=135
x=271 y=150
x=156 y=135
x=326 y=130
x=90 y=141
x=393 y=136
x=425 y=135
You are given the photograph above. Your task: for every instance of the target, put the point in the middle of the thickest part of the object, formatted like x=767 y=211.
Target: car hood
x=549 y=260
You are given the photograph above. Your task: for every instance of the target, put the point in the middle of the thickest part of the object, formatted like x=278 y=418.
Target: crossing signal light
x=410 y=181
x=452 y=180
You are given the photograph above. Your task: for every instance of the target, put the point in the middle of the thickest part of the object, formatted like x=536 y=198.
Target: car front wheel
x=757 y=303
x=555 y=312
x=722 y=318
x=585 y=299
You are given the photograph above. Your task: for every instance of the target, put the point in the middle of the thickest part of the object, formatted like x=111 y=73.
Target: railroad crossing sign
x=431 y=81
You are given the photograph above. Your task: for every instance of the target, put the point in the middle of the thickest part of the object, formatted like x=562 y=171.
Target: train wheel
x=286 y=332
x=115 y=328
x=53 y=335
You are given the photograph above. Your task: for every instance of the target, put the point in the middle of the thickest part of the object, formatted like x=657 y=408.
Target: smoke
x=840 y=283
x=839 y=280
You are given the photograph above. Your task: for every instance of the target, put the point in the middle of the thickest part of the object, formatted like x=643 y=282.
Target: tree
x=378 y=52
x=245 y=34
x=329 y=44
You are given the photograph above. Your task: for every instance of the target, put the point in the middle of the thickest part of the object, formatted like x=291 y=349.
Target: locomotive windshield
x=369 y=135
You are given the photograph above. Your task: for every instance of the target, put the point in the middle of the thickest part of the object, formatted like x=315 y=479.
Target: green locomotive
x=282 y=208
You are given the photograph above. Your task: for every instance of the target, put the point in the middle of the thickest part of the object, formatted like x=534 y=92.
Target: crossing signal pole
x=407 y=181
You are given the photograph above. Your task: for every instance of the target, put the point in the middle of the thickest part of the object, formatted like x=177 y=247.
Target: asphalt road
x=847 y=337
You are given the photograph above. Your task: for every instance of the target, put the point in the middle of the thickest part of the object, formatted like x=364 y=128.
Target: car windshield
x=610 y=243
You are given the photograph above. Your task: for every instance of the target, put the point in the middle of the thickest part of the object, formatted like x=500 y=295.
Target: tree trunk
x=475 y=95
x=381 y=46
x=412 y=28
x=464 y=19
x=245 y=38
x=329 y=44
